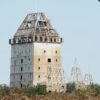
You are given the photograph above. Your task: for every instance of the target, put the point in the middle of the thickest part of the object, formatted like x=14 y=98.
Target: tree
x=71 y=87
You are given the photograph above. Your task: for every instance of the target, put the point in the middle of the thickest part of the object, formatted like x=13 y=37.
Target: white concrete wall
x=50 y=49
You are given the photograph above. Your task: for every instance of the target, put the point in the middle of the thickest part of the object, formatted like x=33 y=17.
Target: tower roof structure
x=36 y=24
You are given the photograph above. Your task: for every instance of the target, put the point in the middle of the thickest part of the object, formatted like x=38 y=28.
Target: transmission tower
x=76 y=75
x=88 y=79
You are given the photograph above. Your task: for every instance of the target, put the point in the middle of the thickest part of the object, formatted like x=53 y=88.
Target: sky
x=77 y=21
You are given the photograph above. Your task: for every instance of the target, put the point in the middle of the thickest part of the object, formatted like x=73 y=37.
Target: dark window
x=49 y=91
x=35 y=38
x=44 y=51
x=39 y=59
x=21 y=60
x=56 y=60
x=38 y=67
x=38 y=76
x=40 y=38
x=50 y=39
x=54 y=40
x=42 y=24
x=21 y=77
x=56 y=51
x=21 y=85
x=21 y=68
x=45 y=39
x=45 y=23
x=49 y=60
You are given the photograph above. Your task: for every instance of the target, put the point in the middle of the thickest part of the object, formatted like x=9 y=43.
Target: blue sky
x=76 y=20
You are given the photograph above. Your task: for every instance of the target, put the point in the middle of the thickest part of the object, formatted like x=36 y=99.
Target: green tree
x=94 y=88
x=71 y=87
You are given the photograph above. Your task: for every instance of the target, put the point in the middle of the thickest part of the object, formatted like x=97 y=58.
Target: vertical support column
x=52 y=39
x=57 y=39
x=43 y=38
x=48 y=39
x=33 y=38
x=38 y=38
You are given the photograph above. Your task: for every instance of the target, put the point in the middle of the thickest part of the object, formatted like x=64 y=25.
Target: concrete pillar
x=48 y=39
x=57 y=39
x=52 y=39
x=38 y=38
x=33 y=38
x=43 y=37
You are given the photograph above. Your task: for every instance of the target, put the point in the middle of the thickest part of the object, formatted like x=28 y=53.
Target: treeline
x=93 y=88
x=28 y=91
x=41 y=90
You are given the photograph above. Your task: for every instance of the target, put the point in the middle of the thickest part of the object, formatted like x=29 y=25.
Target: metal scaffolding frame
x=88 y=79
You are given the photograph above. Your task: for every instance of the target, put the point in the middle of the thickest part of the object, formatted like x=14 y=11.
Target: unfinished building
x=36 y=55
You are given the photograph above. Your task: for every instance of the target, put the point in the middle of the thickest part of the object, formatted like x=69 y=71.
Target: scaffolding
x=55 y=76
x=88 y=80
x=76 y=75
x=54 y=79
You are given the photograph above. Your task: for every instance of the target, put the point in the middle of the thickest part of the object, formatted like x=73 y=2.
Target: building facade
x=36 y=55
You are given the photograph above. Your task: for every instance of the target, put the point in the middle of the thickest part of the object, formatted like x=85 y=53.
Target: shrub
x=71 y=87
x=4 y=90
x=94 y=88
x=28 y=91
x=36 y=90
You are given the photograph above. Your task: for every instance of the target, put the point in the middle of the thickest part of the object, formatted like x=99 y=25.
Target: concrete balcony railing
x=42 y=39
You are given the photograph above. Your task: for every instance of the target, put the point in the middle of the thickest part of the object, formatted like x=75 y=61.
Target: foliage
x=28 y=91
x=71 y=87
x=4 y=90
x=36 y=90
x=94 y=88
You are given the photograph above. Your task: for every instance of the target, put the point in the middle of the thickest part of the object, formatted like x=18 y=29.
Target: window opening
x=21 y=77
x=21 y=85
x=40 y=38
x=56 y=52
x=38 y=76
x=39 y=68
x=56 y=60
x=21 y=60
x=49 y=60
x=35 y=38
x=39 y=59
x=21 y=69
x=44 y=51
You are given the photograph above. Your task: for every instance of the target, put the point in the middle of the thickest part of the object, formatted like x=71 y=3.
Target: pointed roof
x=36 y=24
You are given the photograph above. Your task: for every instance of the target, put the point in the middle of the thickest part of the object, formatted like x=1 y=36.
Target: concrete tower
x=36 y=55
